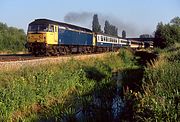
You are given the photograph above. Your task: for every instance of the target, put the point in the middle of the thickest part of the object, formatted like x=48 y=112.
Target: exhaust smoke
x=85 y=19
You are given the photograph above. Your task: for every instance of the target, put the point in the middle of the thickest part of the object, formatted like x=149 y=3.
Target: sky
x=136 y=17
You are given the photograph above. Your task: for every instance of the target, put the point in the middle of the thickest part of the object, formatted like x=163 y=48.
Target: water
x=118 y=103
x=102 y=108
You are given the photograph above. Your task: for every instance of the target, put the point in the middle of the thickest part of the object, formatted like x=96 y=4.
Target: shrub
x=175 y=57
x=160 y=100
x=126 y=55
x=11 y=38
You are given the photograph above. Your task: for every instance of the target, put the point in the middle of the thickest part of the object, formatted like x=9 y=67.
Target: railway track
x=17 y=57
x=17 y=61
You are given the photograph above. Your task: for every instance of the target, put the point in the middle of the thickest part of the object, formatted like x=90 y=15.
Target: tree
x=123 y=34
x=107 y=27
x=116 y=31
x=11 y=38
x=166 y=35
x=145 y=36
x=96 y=27
x=110 y=29
x=175 y=21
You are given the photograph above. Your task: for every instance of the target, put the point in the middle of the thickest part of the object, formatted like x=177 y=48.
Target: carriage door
x=56 y=34
x=94 y=39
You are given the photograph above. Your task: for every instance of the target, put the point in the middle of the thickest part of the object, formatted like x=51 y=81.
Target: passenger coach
x=111 y=42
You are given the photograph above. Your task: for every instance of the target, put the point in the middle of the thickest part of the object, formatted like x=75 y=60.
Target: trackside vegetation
x=56 y=92
x=52 y=92
x=11 y=39
x=160 y=96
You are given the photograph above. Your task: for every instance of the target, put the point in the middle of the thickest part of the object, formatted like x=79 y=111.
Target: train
x=48 y=37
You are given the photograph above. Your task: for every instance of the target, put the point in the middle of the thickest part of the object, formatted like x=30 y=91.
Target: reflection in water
x=117 y=107
x=104 y=109
x=118 y=104
x=80 y=115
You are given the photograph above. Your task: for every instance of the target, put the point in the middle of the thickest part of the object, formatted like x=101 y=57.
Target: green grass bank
x=55 y=91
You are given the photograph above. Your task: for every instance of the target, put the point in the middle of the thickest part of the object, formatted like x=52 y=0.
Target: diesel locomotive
x=48 y=37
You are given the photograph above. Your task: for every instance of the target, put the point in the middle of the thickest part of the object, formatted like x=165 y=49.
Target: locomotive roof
x=47 y=21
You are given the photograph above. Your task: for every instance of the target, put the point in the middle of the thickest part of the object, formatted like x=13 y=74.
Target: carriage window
x=101 y=38
x=104 y=38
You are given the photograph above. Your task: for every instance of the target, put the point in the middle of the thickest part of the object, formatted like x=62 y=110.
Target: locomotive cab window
x=35 y=28
x=51 y=28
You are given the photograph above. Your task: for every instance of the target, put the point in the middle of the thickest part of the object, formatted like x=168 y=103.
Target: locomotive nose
x=37 y=37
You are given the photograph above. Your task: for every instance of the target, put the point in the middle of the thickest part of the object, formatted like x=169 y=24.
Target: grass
x=55 y=91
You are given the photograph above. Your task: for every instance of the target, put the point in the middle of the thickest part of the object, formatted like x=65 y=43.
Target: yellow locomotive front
x=37 y=33
x=41 y=37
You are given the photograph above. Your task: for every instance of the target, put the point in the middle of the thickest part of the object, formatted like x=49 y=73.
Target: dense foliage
x=166 y=35
x=11 y=38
